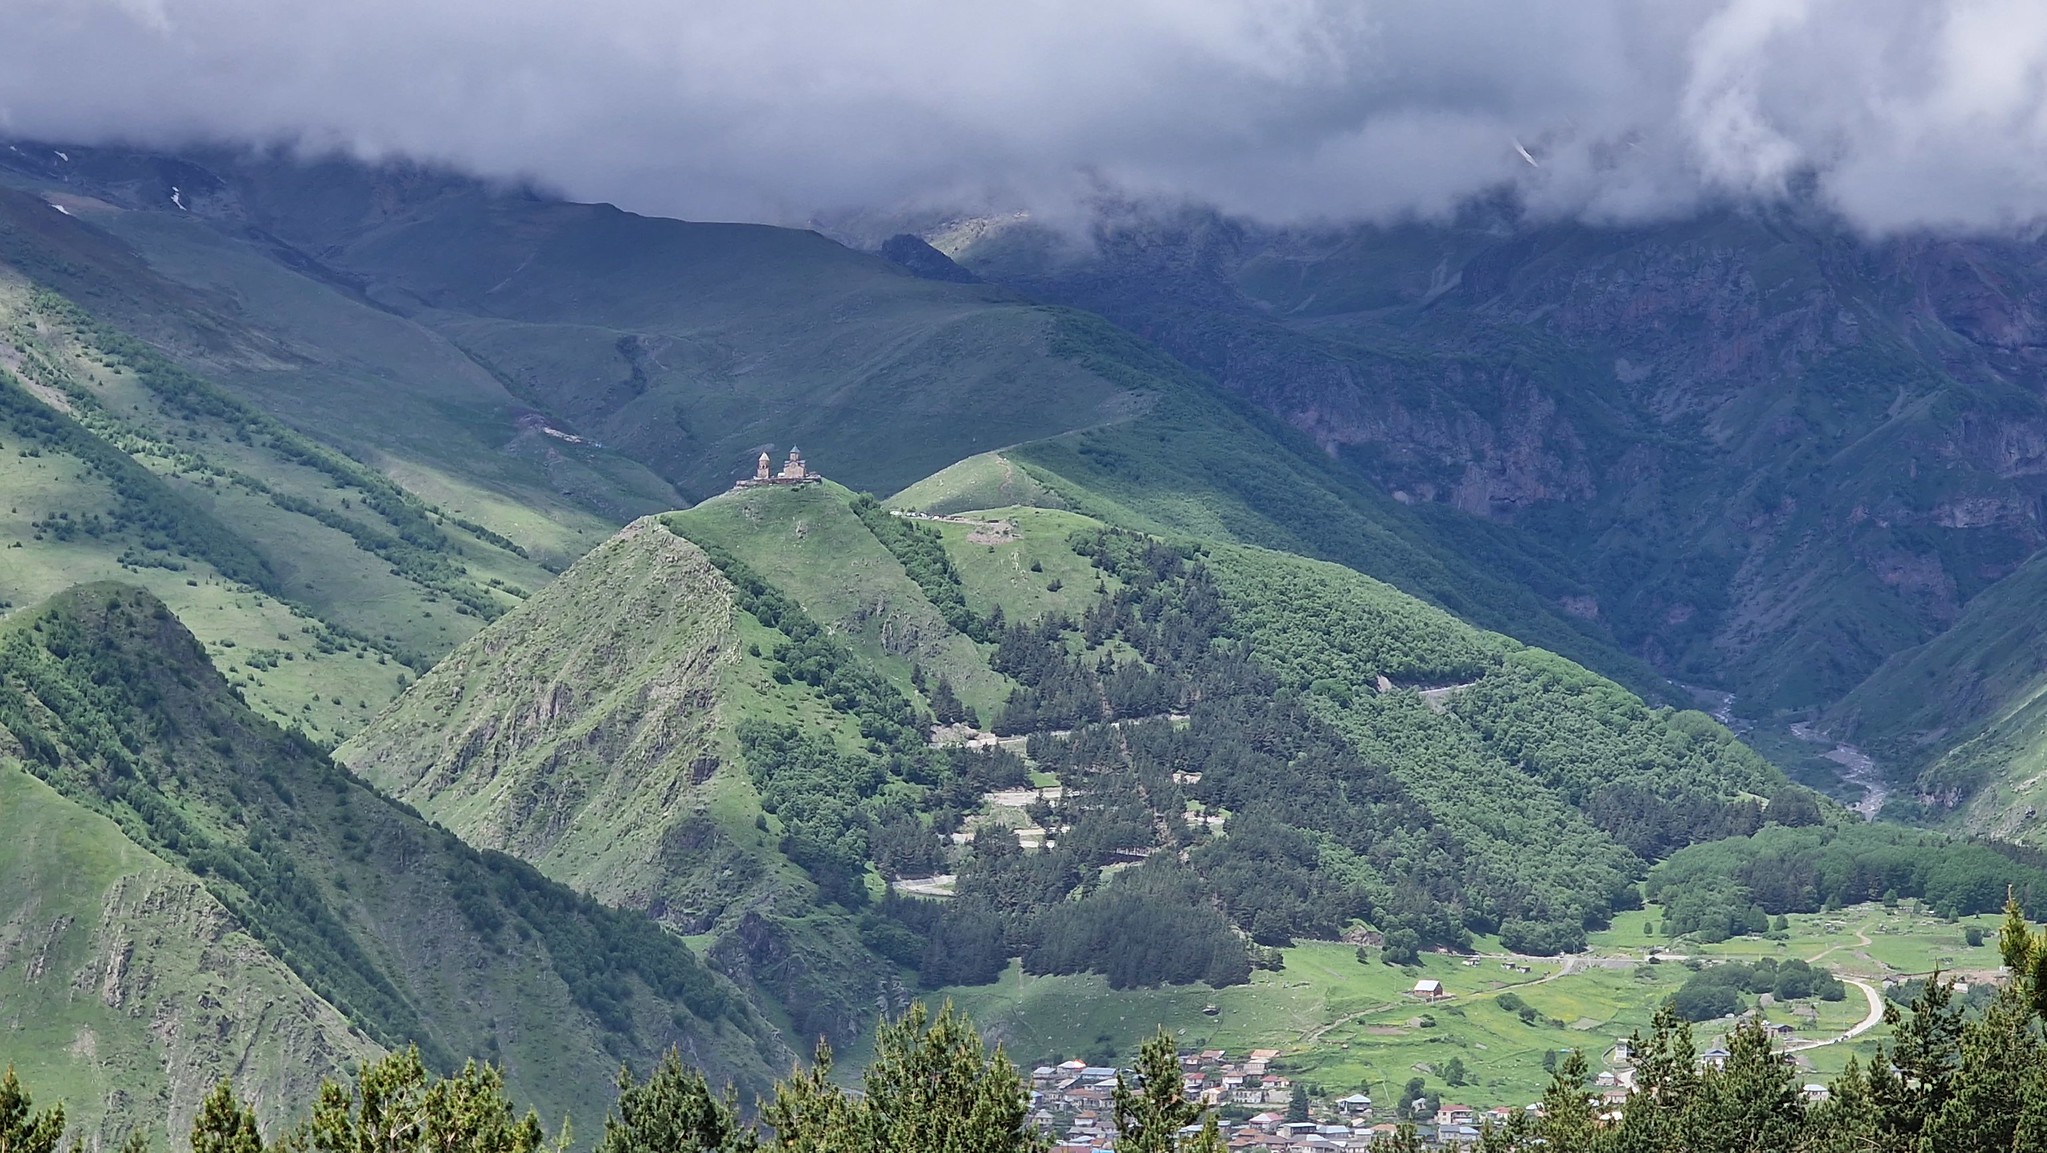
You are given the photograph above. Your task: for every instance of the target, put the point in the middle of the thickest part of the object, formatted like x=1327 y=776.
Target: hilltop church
x=795 y=471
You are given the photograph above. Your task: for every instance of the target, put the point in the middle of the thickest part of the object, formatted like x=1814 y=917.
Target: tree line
x=932 y=1086
x=1945 y=1082
x=1725 y=888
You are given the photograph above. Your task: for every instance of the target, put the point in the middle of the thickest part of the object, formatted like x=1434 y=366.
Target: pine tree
x=1297 y=1104
x=2025 y=954
x=945 y=703
x=396 y=1106
x=1151 y=1115
x=1511 y=1137
x=1914 y=1079
x=1999 y=1074
x=2000 y=1053
x=1847 y=1121
x=810 y=1114
x=1666 y=1082
x=673 y=1112
x=1569 y=1122
x=22 y=1128
x=1750 y=1102
x=224 y=1124
x=932 y=1087
x=2029 y=1131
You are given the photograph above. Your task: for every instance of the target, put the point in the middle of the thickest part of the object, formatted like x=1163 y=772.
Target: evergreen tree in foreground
x=1153 y=1115
x=1943 y=1083
x=397 y=1106
x=224 y=1124
x=674 y=1112
x=933 y=1087
x=22 y=1129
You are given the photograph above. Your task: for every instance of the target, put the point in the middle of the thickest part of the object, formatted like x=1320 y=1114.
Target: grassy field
x=1345 y=1026
x=988 y=481
x=1015 y=556
x=1867 y=941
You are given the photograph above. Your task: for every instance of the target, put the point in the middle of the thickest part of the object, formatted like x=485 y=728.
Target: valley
x=1344 y=1027
x=389 y=659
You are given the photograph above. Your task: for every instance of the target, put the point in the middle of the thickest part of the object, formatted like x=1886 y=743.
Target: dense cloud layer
x=1899 y=112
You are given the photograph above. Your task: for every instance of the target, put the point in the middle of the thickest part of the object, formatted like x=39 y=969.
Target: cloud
x=1899 y=113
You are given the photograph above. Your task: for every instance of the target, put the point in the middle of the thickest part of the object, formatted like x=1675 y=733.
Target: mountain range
x=392 y=655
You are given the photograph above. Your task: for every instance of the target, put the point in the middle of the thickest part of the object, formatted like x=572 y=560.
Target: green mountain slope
x=597 y=732
x=1959 y=724
x=458 y=338
x=806 y=544
x=684 y=347
x=793 y=653
x=643 y=637
x=594 y=734
x=315 y=579
x=1511 y=750
x=234 y=304
x=130 y=990
x=413 y=936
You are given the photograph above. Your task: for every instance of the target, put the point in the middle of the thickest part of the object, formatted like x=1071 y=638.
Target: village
x=1262 y=1109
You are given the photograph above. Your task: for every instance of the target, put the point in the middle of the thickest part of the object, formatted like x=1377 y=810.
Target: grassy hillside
x=596 y=730
x=990 y=480
x=730 y=730
x=413 y=936
x=809 y=544
x=1958 y=724
x=318 y=584
x=643 y=643
x=675 y=347
x=691 y=347
x=130 y=990
x=592 y=732
x=243 y=309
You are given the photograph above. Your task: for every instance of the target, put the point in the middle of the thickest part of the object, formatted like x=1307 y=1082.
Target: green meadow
x=1345 y=1027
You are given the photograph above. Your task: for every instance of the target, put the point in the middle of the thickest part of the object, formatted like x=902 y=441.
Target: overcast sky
x=1900 y=112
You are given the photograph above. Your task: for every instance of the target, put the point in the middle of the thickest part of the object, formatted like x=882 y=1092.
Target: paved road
x=1875 y=1017
x=1870 y=993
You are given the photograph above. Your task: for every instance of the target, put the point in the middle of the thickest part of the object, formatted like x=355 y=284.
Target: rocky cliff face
x=130 y=991
x=577 y=735
x=1779 y=453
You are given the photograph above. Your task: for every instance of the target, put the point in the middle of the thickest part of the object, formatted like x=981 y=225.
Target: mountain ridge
x=1661 y=397
x=414 y=937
